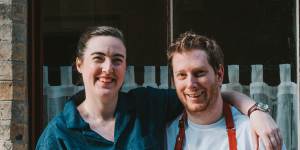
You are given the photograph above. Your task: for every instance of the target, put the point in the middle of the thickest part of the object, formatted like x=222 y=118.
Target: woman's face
x=103 y=66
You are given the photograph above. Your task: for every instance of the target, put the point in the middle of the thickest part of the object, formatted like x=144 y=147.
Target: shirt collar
x=73 y=118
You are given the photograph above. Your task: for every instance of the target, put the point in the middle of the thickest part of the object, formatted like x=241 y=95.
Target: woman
x=102 y=117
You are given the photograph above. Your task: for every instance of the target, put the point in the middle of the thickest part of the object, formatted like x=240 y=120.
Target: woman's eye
x=117 y=61
x=98 y=59
x=199 y=74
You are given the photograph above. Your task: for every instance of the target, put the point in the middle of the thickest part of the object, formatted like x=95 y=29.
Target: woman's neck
x=99 y=114
x=98 y=108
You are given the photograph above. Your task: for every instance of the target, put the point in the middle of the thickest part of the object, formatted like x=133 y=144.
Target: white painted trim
x=298 y=68
x=171 y=21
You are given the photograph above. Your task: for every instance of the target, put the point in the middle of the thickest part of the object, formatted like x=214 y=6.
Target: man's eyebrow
x=178 y=71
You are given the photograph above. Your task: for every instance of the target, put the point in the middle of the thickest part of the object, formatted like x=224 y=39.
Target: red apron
x=229 y=126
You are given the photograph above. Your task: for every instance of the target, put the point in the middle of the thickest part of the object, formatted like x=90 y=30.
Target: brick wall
x=13 y=89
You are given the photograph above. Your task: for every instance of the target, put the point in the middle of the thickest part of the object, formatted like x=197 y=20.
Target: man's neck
x=211 y=115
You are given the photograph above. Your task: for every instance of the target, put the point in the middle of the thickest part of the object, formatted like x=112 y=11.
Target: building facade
x=13 y=75
x=28 y=30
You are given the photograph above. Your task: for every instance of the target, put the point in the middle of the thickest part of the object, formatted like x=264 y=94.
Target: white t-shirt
x=213 y=136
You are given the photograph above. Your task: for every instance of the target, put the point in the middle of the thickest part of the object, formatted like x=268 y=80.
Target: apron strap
x=181 y=134
x=231 y=133
x=230 y=126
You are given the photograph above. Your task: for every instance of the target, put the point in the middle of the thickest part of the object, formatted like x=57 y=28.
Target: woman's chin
x=106 y=92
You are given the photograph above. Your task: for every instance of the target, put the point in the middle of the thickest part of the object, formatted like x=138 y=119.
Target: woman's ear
x=78 y=64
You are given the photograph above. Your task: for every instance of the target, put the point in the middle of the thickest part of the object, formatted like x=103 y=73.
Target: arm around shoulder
x=241 y=101
x=261 y=122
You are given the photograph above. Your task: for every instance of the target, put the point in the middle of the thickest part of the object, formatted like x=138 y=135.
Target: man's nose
x=192 y=82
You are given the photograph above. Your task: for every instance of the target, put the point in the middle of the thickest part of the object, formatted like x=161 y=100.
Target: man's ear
x=172 y=82
x=220 y=74
x=78 y=64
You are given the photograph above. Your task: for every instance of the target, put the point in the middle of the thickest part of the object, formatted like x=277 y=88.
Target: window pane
x=250 y=32
x=142 y=22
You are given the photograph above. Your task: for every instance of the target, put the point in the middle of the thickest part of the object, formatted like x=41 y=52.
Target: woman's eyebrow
x=114 y=55
x=118 y=55
x=98 y=53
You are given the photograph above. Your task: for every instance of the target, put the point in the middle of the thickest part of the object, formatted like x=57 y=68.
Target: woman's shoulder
x=58 y=123
x=52 y=132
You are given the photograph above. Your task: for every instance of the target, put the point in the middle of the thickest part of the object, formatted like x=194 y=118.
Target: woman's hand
x=262 y=123
x=266 y=128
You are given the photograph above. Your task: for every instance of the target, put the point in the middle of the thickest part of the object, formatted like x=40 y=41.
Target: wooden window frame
x=35 y=72
x=35 y=64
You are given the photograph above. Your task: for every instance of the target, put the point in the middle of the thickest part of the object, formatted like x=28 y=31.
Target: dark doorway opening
x=252 y=32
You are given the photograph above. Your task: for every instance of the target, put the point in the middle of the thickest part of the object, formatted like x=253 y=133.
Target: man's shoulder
x=171 y=132
x=238 y=117
x=174 y=124
x=172 y=127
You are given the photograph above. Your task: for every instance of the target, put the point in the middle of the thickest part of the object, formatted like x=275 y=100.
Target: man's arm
x=261 y=122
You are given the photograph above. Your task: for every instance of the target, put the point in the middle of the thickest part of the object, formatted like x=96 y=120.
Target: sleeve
x=173 y=105
x=48 y=146
x=162 y=103
x=48 y=143
x=49 y=139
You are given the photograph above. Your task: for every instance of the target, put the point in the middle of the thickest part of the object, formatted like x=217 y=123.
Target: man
x=197 y=70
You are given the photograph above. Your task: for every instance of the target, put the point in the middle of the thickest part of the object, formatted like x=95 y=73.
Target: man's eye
x=180 y=75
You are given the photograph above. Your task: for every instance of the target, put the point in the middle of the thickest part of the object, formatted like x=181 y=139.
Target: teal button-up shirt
x=141 y=118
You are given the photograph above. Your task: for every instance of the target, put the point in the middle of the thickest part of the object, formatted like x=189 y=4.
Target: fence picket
x=233 y=77
x=282 y=98
x=66 y=75
x=286 y=98
x=259 y=90
x=164 y=77
x=149 y=76
x=129 y=82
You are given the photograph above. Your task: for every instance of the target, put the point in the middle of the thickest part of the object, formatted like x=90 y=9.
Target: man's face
x=197 y=84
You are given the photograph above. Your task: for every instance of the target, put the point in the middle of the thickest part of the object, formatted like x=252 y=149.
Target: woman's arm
x=261 y=122
x=241 y=101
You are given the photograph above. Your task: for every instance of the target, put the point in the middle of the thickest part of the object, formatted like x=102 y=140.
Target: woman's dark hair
x=96 y=31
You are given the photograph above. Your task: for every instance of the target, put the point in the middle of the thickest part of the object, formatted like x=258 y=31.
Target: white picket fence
x=282 y=98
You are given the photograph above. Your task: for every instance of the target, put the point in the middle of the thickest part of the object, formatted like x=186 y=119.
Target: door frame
x=34 y=72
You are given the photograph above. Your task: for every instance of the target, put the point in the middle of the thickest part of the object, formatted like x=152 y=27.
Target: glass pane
x=252 y=32
x=142 y=22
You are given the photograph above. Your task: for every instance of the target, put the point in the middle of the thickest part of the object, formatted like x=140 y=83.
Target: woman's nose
x=107 y=66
